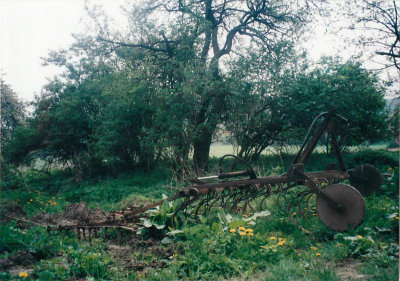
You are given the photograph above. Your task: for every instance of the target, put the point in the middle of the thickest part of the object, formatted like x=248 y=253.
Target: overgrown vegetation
x=269 y=248
x=133 y=116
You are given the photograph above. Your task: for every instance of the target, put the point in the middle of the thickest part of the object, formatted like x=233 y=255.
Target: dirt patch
x=18 y=269
x=131 y=255
x=21 y=258
x=119 y=252
x=77 y=213
x=348 y=269
x=11 y=209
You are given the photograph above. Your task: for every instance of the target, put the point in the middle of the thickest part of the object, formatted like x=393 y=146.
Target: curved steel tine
x=255 y=193
x=280 y=193
x=199 y=205
x=230 y=202
x=233 y=207
x=217 y=196
x=300 y=197
x=290 y=217
x=308 y=203
x=174 y=214
x=285 y=190
x=266 y=194
x=228 y=191
x=246 y=200
x=251 y=207
x=246 y=197
x=182 y=206
x=214 y=197
x=261 y=203
x=229 y=195
x=239 y=197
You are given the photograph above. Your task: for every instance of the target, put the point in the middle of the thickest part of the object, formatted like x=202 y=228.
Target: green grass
x=207 y=250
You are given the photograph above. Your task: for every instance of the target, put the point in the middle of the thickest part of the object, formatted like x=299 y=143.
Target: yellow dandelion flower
x=314 y=208
x=23 y=274
x=314 y=248
x=397 y=218
x=249 y=230
x=31 y=200
x=359 y=237
x=317 y=254
x=242 y=228
x=272 y=238
x=232 y=230
x=250 y=234
x=281 y=243
x=281 y=239
x=314 y=215
x=294 y=214
x=245 y=216
x=242 y=233
x=250 y=214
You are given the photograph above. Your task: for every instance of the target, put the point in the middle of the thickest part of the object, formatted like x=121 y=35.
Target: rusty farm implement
x=338 y=205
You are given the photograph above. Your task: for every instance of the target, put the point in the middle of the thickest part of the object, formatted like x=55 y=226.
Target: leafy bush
x=35 y=240
x=379 y=158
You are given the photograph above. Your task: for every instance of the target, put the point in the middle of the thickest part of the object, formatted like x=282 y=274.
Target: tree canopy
x=165 y=89
x=12 y=112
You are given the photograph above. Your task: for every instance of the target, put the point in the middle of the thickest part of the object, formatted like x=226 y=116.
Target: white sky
x=31 y=28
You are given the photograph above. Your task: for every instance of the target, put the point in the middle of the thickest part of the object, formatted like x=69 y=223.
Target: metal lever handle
x=246 y=172
x=341 y=117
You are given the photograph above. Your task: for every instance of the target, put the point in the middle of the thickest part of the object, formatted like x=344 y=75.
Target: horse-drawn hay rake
x=339 y=206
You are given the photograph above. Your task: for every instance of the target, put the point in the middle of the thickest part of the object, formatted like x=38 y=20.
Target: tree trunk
x=201 y=150
x=205 y=131
x=209 y=118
